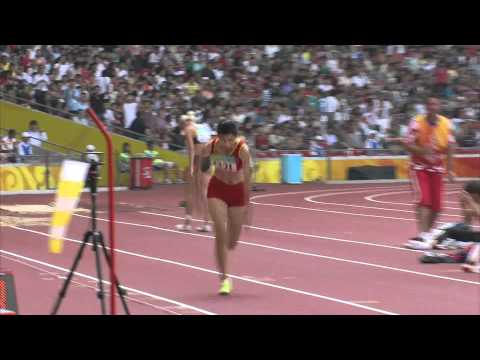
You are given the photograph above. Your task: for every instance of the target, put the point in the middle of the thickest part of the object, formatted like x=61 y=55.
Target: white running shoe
x=183 y=227
x=473 y=256
x=427 y=242
x=448 y=244
x=204 y=228
x=419 y=245
x=471 y=268
x=446 y=226
x=472 y=264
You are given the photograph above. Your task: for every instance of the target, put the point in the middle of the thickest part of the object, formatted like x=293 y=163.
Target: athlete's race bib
x=224 y=162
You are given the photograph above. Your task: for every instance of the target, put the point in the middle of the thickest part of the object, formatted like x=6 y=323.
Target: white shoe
x=204 y=228
x=471 y=268
x=446 y=226
x=183 y=227
x=448 y=244
x=473 y=256
x=419 y=245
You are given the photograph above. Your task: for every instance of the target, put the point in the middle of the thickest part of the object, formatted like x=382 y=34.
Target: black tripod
x=96 y=238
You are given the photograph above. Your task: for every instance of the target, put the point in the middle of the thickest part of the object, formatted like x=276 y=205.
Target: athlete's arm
x=244 y=154
x=450 y=153
x=470 y=208
x=206 y=150
x=190 y=149
x=409 y=143
x=410 y=146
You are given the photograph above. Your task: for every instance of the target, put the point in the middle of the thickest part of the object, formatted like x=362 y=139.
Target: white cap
x=90 y=148
x=192 y=116
x=25 y=135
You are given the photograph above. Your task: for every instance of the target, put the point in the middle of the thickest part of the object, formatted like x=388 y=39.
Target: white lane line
x=284 y=288
x=55 y=276
x=311 y=199
x=346 y=260
x=287 y=251
x=320 y=190
x=373 y=188
x=372 y=198
x=331 y=211
x=281 y=232
x=156 y=297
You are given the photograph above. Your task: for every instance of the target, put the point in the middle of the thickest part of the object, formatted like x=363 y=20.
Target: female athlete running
x=196 y=177
x=228 y=193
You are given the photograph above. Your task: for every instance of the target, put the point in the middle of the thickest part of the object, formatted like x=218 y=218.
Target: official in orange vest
x=431 y=144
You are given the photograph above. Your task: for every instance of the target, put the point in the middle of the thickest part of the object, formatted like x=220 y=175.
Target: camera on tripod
x=93 y=236
x=92 y=157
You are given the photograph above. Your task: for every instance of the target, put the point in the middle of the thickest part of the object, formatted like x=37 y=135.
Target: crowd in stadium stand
x=284 y=97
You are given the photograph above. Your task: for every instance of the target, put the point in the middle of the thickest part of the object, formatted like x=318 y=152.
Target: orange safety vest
x=438 y=137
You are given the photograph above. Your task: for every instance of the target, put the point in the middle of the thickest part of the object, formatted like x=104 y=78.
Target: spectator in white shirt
x=8 y=146
x=271 y=50
x=373 y=141
x=360 y=80
x=63 y=67
x=130 y=111
x=41 y=76
x=27 y=76
x=36 y=135
x=332 y=140
x=122 y=72
x=24 y=147
x=331 y=103
x=284 y=117
x=420 y=109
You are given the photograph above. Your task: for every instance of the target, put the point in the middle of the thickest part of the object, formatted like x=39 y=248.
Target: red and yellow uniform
x=427 y=170
x=232 y=194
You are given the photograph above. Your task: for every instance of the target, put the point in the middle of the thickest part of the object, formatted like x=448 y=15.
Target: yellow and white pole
x=70 y=185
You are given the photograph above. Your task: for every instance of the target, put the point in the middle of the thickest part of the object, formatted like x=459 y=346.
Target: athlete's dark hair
x=473 y=187
x=227 y=127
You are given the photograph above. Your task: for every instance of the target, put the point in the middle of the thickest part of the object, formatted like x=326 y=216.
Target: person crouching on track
x=461 y=235
x=228 y=193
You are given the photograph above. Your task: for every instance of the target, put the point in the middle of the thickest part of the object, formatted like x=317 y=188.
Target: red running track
x=313 y=249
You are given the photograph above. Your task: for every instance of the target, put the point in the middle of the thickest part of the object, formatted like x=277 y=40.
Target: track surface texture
x=312 y=249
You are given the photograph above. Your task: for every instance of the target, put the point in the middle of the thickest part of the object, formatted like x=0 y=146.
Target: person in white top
x=36 y=135
x=8 y=146
x=360 y=80
x=331 y=103
x=40 y=76
x=130 y=111
x=24 y=147
x=63 y=67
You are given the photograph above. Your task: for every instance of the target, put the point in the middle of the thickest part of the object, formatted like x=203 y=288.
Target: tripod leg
x=121 y=292
x=101 y=293
x=66 y=283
